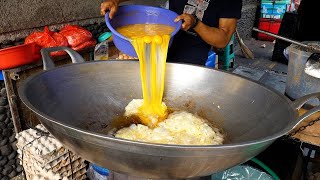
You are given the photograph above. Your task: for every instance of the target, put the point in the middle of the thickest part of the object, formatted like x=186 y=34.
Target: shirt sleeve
x=230 y=9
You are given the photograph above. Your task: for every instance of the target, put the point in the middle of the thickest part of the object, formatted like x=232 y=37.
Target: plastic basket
x=269 y=25
x=16 y=56
x=273 y=10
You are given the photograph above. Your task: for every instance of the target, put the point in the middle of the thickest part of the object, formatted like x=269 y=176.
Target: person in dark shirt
x=307 y=13
x=206 y=23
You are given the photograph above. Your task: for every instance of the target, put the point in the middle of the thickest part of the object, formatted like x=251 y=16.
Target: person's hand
x=111 y=5
x=188 y=21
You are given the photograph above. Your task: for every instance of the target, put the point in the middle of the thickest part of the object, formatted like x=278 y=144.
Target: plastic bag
x=75 y=35
x=241 y=173
x=47 y=39
x=90 y=43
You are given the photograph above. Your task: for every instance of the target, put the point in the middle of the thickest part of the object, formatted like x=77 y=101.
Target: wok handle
x=48 y=62
x=297 y=104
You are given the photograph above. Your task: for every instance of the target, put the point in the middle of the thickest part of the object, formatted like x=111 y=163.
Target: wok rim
x=266 y=139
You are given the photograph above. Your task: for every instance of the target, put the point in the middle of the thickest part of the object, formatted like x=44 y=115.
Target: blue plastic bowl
x=139 y=14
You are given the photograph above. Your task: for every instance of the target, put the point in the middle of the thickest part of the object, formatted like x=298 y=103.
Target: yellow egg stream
x=150 y=42
x=152 y=54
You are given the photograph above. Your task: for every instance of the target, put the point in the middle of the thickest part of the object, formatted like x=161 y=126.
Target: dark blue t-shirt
x=188 y=47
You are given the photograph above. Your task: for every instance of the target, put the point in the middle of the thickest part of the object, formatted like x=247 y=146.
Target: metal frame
x=22 y=117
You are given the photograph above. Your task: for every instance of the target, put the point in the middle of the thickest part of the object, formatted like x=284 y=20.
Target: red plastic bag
x=75 y=35
x=90 y=43
x=48 y=39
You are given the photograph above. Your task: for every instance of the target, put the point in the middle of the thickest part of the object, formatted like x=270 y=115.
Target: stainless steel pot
x=77 y=102
x=298 y=82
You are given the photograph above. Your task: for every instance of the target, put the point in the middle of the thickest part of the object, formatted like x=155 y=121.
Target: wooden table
x=311 y=134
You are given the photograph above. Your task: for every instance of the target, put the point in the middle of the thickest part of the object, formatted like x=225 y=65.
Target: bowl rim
x=113 y=31
x=21 y=47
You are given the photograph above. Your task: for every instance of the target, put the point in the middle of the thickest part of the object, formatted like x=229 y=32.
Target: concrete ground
x=262 y=69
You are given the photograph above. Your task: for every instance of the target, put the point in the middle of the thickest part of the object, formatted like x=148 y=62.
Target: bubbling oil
x=150 y=42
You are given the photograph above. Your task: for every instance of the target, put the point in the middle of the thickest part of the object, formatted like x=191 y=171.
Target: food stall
x=55 y=109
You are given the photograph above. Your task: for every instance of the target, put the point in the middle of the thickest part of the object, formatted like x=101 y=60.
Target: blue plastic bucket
x=139 y=14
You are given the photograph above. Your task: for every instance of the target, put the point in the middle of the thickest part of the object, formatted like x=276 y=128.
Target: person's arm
x=229 y=12
x=216 y=37
x=111 y=5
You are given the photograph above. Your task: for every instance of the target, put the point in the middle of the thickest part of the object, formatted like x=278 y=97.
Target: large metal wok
x=77 y=102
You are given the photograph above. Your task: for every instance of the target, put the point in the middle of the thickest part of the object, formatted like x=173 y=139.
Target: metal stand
x=21 y=115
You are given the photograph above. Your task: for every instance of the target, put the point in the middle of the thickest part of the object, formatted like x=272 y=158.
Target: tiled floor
x=249 y=72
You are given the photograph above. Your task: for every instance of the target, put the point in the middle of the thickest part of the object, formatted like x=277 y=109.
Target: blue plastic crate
x=274 y=10
x=276 y=1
